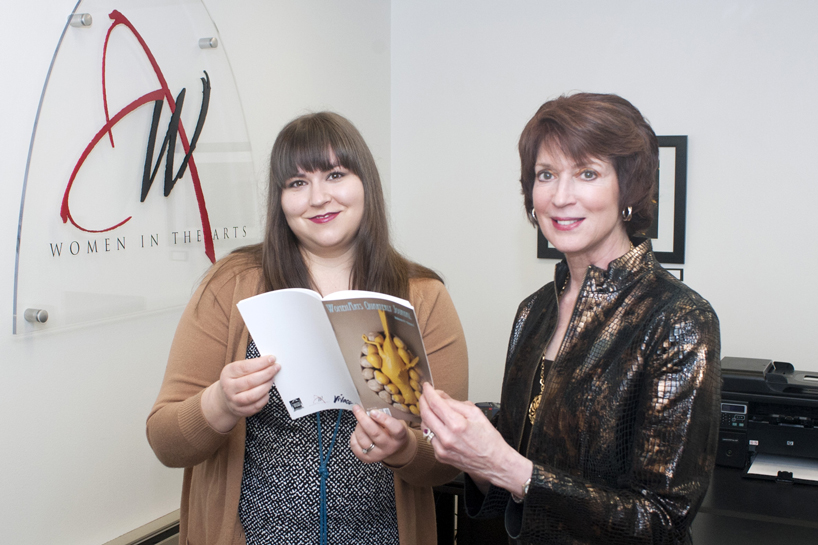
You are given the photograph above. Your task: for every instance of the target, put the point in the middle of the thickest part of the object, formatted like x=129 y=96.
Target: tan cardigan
x=210 y=335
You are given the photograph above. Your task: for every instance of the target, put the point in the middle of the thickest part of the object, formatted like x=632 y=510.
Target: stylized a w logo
x=175 y=128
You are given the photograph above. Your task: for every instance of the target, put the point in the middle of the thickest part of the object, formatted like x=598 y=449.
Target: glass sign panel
x=140 y=172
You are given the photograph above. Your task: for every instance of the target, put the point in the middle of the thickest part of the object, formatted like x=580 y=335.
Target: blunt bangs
x=310 y=147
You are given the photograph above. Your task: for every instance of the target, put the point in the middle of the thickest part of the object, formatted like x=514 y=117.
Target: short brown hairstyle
x=586 y=125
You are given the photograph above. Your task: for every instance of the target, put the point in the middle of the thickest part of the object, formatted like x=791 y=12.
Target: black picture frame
x=674 y=227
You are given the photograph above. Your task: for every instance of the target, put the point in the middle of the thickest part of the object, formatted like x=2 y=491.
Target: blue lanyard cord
x=322 y=470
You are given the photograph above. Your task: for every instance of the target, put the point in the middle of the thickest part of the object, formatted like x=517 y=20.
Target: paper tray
x=783 y=469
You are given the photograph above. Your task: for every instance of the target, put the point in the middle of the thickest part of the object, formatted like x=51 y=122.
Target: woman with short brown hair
x=608 y=421
x=594 y=125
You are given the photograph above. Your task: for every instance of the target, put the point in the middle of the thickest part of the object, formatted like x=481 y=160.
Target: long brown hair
x=309 y=143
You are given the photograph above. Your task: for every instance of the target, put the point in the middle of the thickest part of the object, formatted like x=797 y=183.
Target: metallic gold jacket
x=625 y=436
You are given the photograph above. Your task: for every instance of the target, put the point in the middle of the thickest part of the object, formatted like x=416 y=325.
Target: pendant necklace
x=535 y=403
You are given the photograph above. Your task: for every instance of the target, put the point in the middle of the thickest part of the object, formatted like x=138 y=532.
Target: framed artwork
x=677 y=272
x=667 y=233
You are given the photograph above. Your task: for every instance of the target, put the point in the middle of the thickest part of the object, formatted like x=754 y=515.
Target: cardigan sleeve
x=177 y=430
x=673 y=452
x=446 y=347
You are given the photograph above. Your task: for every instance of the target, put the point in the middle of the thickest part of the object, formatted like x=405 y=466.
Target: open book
x=351 y=347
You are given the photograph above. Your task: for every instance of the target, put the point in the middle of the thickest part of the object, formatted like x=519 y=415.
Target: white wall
x=76 y=466
x=291 y=58
x=447 y=106
x=738 y=77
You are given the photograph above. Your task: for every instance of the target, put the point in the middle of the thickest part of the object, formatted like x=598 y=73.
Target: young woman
x=251 y=473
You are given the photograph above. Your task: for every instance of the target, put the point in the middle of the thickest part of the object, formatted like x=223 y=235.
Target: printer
x=769 y=420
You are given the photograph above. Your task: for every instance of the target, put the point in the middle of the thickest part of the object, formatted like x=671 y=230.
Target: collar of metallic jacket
x=622 y=271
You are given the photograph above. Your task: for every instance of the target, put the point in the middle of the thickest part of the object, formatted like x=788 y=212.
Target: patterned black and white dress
x=280 y=488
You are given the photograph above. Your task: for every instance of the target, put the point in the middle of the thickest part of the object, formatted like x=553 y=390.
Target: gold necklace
x=535 y=403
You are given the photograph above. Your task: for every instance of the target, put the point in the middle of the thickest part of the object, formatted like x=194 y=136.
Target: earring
x=534 y=215
x=627 y=214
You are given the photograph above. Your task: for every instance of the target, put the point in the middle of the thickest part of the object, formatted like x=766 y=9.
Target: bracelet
x=525 y=492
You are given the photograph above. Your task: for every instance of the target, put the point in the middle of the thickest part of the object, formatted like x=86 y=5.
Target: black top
x=280 y=486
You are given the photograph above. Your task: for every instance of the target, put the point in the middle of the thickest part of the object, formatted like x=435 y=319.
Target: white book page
x=292 y=326
x=770 y=464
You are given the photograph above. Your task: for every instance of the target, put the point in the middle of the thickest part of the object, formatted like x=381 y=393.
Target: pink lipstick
x=324 y=218
x=566 y=224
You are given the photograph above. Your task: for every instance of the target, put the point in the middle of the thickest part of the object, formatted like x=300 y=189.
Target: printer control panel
x=733 y=415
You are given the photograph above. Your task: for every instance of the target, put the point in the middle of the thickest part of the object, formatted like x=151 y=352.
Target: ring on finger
x=428 y=435
x=368 y=449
